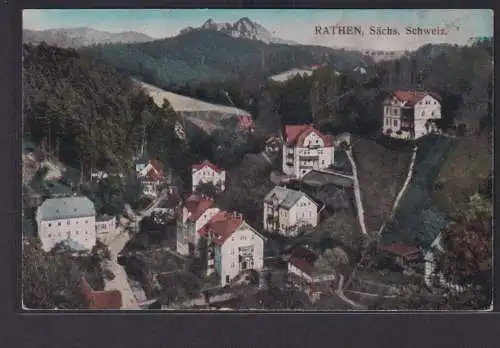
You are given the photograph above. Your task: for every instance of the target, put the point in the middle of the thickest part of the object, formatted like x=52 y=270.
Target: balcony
x=314 y=146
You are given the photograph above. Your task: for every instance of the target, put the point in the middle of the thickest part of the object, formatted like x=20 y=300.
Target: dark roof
x=286 y=197
x=400 y=249
x=304 y=253
x=104 y=218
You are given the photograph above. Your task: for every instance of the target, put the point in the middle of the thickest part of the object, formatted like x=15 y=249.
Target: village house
x=109 y=299
x=305 y=149
x=402 y=255
x=233 y=246
x=193 y=215
x=68 y=220
x=207 y=172
x=410 y=115
x=151 y=176
x=286 y=210
x=105 y=226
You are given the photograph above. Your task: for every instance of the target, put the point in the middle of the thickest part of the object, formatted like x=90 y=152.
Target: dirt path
x=357 y=193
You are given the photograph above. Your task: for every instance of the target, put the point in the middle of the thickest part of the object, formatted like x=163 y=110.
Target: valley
x=235 y=162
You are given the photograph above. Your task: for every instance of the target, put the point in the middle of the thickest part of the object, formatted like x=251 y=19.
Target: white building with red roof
x=233 y=246
x=305 y=148
x=410 y=114
x=151 y=175
x=207 y=172
x=195 y=213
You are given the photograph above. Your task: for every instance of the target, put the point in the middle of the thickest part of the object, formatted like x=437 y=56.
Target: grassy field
x=466 y=167
x=418 y=220
x=381 y=172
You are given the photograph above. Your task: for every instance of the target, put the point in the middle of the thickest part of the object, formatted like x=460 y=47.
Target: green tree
x=49 y=280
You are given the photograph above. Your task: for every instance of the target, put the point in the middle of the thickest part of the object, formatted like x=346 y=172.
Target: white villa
x=207 y=172
x=410 y=115
x=233 y=246
x=195 y=213
x=69 y=220
x=286 y=210
x=305 y=149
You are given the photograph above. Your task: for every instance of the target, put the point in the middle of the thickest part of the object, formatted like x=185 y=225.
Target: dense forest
x=89 y=115
x=210 y=56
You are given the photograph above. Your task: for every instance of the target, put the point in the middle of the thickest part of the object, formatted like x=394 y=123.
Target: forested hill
x=211 y=56
x=461 y=75
x=86 y=113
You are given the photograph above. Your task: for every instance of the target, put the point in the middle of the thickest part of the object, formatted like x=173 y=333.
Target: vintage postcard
x=304 y=160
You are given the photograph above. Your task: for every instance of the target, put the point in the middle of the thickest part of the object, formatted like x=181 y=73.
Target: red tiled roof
x=295 y=134
x=197 y=205
x=412 y=97
x=207 y=164
x=222 y=225
x=154 y=174
x=157 y=165
x=400 y=249
x=111 y=299
x=302 y=264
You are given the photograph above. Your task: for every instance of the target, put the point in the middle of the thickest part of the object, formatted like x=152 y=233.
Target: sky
x=295 y=25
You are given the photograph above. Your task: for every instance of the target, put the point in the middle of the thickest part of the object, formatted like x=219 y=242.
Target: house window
x=432 y=113
x=50 y=235
x=322 y=161
x=227 y=279
x=232 y=265
x=395 y=123
x=423 y=113
x=58 y=224
x=86 y=221
x=50 y=225
x=68 y=222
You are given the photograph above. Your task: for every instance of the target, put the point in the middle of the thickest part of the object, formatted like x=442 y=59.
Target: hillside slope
x=85 y=112
x=211 y=56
